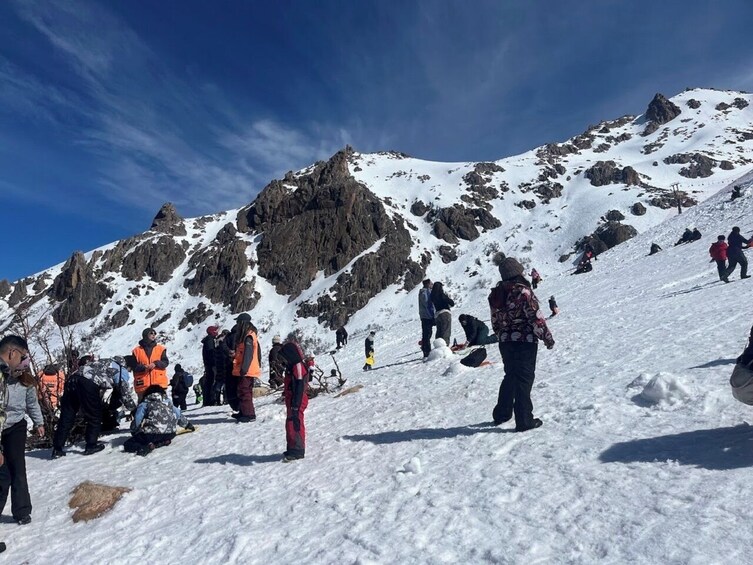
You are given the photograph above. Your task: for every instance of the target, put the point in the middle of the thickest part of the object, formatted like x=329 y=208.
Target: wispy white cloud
x=139 y=113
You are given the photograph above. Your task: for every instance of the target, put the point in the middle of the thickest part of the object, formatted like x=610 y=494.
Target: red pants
x=246 y=396
x=296 y=439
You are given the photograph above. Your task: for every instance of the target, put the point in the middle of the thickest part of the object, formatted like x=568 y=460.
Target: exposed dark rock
x=120 y=318
x=700 y=165
x=220 y=273
x=161 y=320
x=81 y=295
x=583 y=141
x=443 y=232
x=614 y=233
x=418 y=208
x=726 y=165
x=195 y=316
x=651 y=147
x=666 y=200
x=548 y=190
x=488 y=168
x=18 y=294
x=740 y=103
x=168 y=221
x=564 y=257
x=369 y=275
x=155 y=257
x=483 y=192
x=4 y=288
x=661 y=110
x=39 y=284
x=607 y=172
x=459 y=222
x=722 y=106
x=447 y=253
x=614 y=216
x=693 y=103
x=638 y=209
x=602 y=148
x=527 y=204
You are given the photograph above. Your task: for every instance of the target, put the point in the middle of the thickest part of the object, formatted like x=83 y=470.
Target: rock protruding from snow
x=168 y=221
x=607 y=172
x=4 y=288
x=18 y=294
x=81 y=295
x=660 y=111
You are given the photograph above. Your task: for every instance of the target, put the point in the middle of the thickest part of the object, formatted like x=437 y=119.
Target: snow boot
x=536 y=424
x=25 y=520
x=92 y=449
x=288 y=458
x=146 y=450
x=57 y=453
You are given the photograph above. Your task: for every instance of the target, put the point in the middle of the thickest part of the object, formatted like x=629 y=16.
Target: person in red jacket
x=296 y=399
x=718 y=252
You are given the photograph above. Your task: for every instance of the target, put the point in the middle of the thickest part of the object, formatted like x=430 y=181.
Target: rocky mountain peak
x=168 y=221
x=660 y=111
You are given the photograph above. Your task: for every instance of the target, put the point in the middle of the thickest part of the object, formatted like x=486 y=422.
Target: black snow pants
x=737 y=258
x=13 y=471
x=80 y=394
x=426 y=327
x=519 y=359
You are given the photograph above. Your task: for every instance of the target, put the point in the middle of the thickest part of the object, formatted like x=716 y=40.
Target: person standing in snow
x=180 y=384
x=208 y=356
x=22 y=401
x=442 y=304
x=246 y=367
x=368 y=346
x=276 y=364
x=426 y=313
x=154 y=422
x=535 y=278
x=341 y=335
x=296 y=399
x=553 y=306
x=718 y=252
x=519 y=324
x=735 y=245
x=151 y=363
x=476 y=331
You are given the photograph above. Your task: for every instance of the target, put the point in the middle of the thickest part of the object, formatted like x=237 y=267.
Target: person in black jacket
x=368 y=349
x=276 y=364
x=735 y=253
x=208 y=356
x=296 y=399
x=443 y=317
x=181 y=384
x=476 y=331
x=342 y=337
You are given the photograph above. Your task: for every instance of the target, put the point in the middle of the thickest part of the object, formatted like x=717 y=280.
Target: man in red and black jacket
x=296 y=399
x=718 y=252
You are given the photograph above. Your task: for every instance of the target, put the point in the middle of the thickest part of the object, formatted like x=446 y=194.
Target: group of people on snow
x=730 y=250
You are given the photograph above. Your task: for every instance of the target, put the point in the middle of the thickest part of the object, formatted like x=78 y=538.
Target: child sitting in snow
x=155 y=422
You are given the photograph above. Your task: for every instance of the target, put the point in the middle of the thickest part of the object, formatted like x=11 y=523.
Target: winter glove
x=190 y=427
x=294 y=418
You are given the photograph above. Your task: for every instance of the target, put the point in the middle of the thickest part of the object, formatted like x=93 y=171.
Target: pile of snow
x=665 y=388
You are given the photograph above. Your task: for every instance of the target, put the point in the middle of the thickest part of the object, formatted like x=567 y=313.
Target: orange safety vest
x=143 y=380
x=52 y=386
x=254 y=370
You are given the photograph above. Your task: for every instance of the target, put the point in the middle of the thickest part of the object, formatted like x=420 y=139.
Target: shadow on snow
x=715 y=363
x=242 y=460
x=715 y=449
x=428 y=433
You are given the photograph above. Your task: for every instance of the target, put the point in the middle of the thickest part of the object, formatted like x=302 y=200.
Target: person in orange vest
x=151 y=363
x=246 y=367
x=51 y=385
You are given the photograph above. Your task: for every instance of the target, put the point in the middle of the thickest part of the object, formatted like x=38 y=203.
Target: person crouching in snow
x=155 y=422
x=296 y=399
x=476 y=331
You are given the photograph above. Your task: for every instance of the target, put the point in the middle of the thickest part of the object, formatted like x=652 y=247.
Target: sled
x=182 y=431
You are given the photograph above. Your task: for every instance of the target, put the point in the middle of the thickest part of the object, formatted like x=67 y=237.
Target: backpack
x=474 y=358
x=187 y=380
x=741 y=382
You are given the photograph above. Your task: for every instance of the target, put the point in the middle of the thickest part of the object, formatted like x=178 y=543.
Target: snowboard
x=182 y=431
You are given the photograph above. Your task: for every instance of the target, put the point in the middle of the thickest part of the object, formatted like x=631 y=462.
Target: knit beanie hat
x=510 y=268
x=146 y=332
x=277 y=339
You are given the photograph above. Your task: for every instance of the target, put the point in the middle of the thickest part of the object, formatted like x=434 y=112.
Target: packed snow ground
x=408 y=470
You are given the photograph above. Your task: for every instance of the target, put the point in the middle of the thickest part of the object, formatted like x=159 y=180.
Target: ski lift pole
x=676 y=191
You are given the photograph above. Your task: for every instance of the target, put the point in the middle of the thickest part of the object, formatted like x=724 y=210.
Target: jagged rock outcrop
x=120 y=318
x=458 y=222
x=614 y=216
x=220 y=272
x=699 y=165
x=607 y=236
x=369 y=275
x=168 y=221
x=607 y=172
x=693 y=103
x=81 y=295
x=196 y=315
x=156 y=258
x=418 y=208
x=4 y=288
x=660 y=111
x=18 y=294
x=448 y=253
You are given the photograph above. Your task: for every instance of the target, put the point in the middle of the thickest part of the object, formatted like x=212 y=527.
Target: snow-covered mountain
x=338 y=241
x=644 y=456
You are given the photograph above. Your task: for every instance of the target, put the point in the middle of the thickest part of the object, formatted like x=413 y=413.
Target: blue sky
x=109 y=109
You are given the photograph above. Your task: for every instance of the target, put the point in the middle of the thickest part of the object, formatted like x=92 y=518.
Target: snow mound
x=665 y=388
x=440 y=350
x=455 y=368
x=413 y=466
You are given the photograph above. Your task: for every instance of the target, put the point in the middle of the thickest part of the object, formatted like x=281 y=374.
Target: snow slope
x=408 y=470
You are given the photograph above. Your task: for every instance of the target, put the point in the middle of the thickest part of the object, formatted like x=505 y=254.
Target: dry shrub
x=92 y=500
x=349 y=390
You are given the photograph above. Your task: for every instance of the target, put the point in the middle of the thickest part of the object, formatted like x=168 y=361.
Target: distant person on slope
x=476 y=331
x=442 y=304
x=718 y=252
x=276 y=364
x=341 y=335
x=553 y=306
x=735 y=254
x=655 y=248
x=687 y=237
x=246 y=367
x=368 y=346
x=696 y=236
x=426 y=313
x=519 y=324
x=535 y=278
